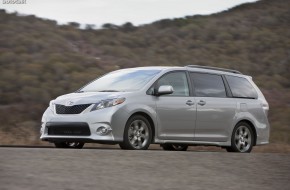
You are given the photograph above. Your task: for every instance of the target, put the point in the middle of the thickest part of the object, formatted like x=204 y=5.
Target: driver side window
x=177 y=80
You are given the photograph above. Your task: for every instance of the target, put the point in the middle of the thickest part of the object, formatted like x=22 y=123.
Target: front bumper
x=113 y=119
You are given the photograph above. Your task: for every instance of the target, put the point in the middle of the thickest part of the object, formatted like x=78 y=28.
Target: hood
x=87 y=97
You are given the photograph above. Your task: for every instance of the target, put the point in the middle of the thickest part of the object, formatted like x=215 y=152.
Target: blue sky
x=118 y=12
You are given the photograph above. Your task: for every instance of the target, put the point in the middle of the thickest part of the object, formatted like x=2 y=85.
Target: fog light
x=41 y=128
x=102 y=130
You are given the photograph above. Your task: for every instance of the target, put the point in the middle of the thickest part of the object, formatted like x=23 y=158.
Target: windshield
x=121 y=80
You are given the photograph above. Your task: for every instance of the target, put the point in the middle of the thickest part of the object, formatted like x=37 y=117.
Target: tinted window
x=241 y=87
x=178 y=81
x=208 y=85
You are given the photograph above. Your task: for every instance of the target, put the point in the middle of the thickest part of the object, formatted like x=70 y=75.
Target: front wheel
x=242 y=138
x=137 y=134
x=76 y=145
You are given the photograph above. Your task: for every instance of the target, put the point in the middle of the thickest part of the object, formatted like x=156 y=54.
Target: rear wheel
x=137 y=134
x=174 y=147
x=76 y=145
x=242 y=138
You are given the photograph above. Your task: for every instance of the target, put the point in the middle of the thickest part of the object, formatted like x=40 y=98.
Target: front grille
x=76 y=109
x=68 y=129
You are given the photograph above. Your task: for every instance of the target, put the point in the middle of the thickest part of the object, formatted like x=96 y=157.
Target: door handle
x=201 y=102
x=189 y=102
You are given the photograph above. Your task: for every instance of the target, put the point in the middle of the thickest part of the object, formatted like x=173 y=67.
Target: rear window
x=208 y=85
x=241 y=87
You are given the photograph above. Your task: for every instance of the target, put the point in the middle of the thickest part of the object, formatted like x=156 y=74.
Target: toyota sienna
x=175 y=107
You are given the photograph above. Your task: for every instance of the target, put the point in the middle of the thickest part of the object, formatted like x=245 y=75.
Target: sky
x=99 y=12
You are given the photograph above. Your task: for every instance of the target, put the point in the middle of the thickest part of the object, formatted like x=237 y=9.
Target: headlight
x=108 y=103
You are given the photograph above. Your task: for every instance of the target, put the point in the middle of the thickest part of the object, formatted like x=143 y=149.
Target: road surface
x=96 y=168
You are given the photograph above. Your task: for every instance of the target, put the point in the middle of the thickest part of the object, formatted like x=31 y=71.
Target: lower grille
x=76 y=109
x=68 y=129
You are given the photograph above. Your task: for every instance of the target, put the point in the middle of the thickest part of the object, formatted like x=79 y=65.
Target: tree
x=110 y=26
x=74 y=24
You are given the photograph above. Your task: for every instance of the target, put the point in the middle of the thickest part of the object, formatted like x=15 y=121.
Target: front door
x=176 y=113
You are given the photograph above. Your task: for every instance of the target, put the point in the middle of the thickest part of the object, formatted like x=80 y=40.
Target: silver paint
x=185 y=120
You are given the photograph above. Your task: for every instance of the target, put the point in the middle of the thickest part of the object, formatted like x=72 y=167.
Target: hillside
x=41 y=60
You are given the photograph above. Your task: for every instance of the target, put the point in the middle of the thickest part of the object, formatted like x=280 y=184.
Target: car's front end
x=84 y=117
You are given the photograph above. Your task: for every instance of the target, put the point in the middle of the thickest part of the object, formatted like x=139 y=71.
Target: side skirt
x=206 y=143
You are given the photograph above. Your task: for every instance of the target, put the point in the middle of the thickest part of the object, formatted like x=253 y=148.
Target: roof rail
x=214 y=68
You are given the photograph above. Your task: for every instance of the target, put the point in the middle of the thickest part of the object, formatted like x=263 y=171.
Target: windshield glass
x=121 y=80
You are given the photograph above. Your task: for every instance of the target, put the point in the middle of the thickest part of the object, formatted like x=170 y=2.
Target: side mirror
x=165 y=89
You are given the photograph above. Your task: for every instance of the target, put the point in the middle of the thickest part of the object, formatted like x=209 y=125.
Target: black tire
x=229 y=149
x=174 y=147
x=242 y=138
x=75 y=145
x=137 y=134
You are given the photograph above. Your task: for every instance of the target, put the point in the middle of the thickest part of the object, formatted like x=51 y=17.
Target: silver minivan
x=175 y=107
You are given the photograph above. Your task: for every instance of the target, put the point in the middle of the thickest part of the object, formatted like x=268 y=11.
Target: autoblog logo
x=14 y=1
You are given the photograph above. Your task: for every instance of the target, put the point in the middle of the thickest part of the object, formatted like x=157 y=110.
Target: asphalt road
x=49 y=168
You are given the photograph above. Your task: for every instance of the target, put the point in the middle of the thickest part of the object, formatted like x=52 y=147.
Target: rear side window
x=208 y=85
x=241 y=87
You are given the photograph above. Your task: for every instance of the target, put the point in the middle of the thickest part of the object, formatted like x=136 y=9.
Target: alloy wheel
x=138 y=134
